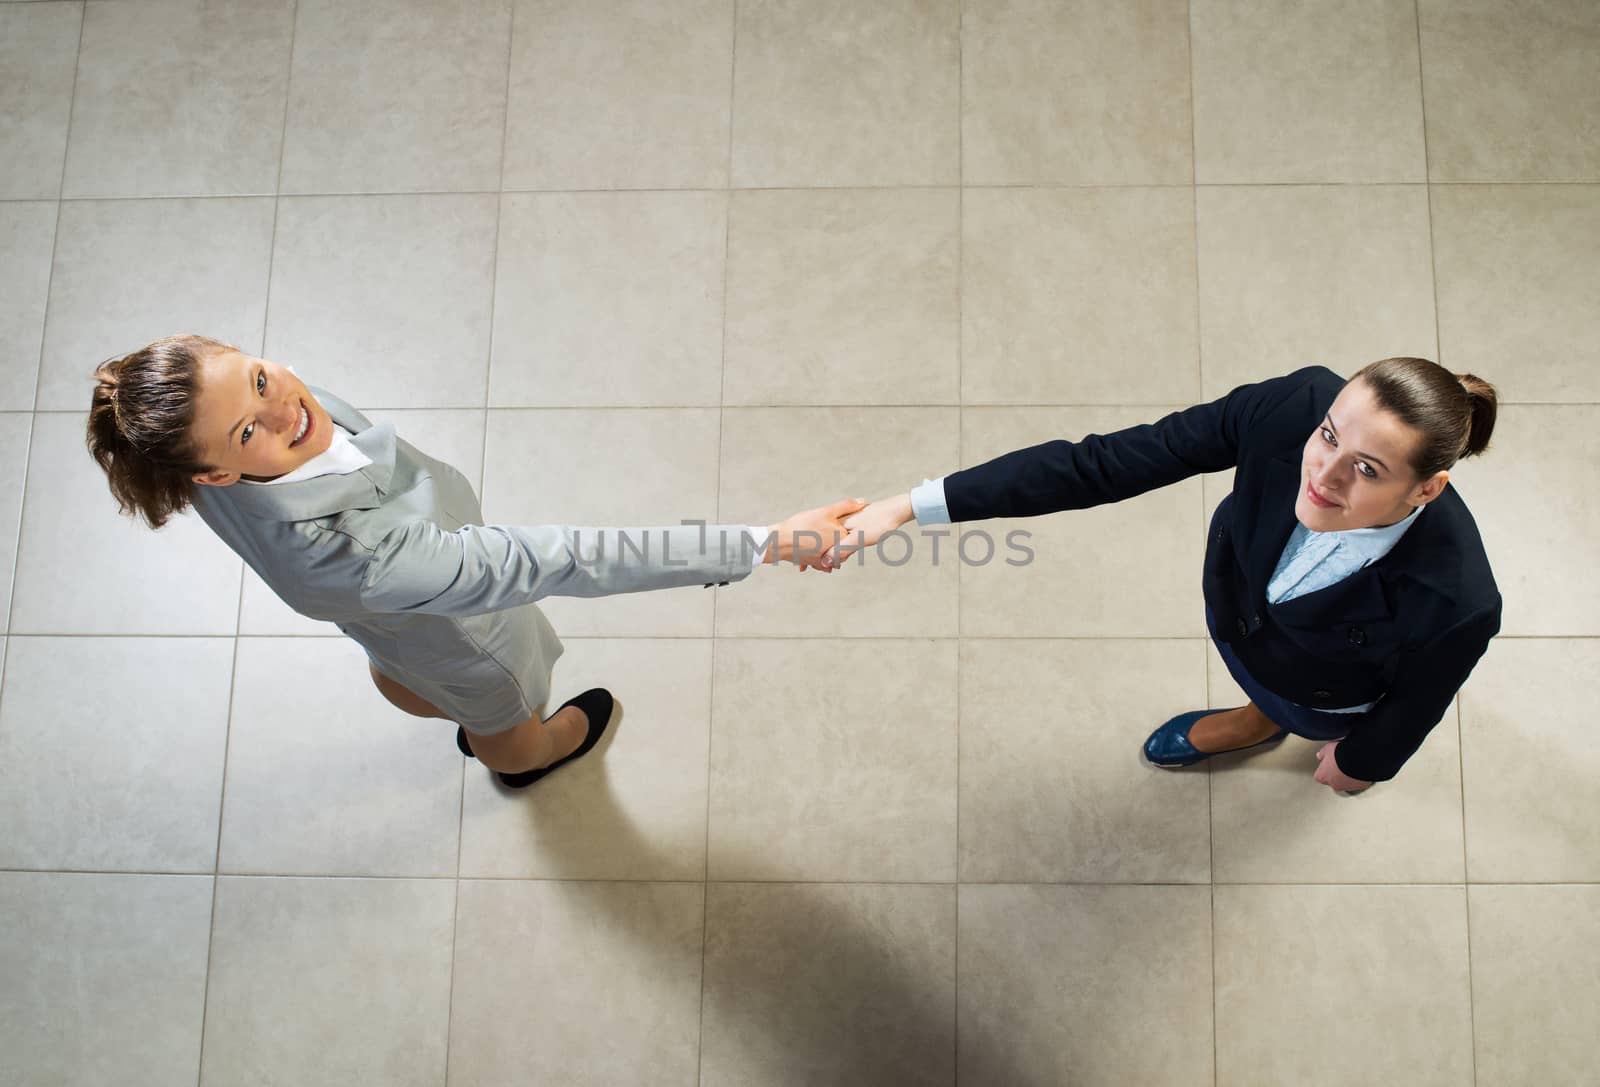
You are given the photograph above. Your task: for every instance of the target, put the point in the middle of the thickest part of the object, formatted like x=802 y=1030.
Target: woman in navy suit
x=1346 y=585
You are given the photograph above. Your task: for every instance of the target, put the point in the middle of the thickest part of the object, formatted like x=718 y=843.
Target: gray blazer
x=398 y=556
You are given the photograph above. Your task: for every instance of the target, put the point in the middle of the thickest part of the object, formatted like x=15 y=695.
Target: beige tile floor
x=628 y=261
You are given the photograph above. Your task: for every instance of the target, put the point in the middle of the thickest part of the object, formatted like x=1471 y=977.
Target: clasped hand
x=1329 y=774
x=823 y=538
x=807 y=537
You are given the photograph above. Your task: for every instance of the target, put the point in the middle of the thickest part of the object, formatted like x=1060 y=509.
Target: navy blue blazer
x=1410 y=627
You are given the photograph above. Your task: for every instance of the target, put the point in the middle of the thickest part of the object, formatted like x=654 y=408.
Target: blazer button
x=1321 y=696
x=1244 y=628
x=1358 y=636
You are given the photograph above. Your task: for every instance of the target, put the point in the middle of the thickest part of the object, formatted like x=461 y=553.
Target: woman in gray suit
x=348 y=523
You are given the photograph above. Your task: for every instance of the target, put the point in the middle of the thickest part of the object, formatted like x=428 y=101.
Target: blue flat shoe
x=1169 y=748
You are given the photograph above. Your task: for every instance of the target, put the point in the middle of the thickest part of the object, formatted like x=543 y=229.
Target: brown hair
x=140 y=417
x=1454 y=413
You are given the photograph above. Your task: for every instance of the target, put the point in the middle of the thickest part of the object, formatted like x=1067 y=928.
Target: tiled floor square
x=105 y=978
x=1511 y=89
x=1078 y=296
x=27 y=239
x=1053 y=784
x=326 y=777
x=841 y=93
x=833 y=761
x=38 y=63
x=385 y=300
x=849 y=984
x=1538 y=454
x=843 y=297
x=629 y=95
x=1293 y=276
x=1085 y=985
x=1287 y=91
x=112 y=752
x=609 y=300
x=1388 y=965
x=1531 y=762
x=329 y=981
x=1075 y=93
x=209 y=124
x=1535 y=975
x=404 y=96
x=621 y=963
x=128 y=272
x=1515 y=264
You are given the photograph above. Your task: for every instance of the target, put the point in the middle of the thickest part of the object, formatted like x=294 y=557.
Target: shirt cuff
x=758 y=536
x=927 y=503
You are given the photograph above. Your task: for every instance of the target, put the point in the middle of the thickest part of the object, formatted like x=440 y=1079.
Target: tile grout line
x=1019 y=187
x=277 y=195
x=1438 y=346
x=238 y=617
x=22 y=507
x=961 y=414
x=216 y=858
x=483 y=475
x=716 y=505
x=414 y=877
x=1205 y=532
x=494 y=260
x=1466 y=892
x=1427 y=189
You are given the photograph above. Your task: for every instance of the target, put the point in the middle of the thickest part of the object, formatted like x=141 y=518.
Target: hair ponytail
x=1453 y=413
x=1485 y=406
x=140 y=417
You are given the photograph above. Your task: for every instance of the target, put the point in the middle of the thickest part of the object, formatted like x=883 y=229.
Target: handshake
x=823 y=538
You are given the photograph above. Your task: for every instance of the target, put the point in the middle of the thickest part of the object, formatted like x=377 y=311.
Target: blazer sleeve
x=1102 y=468
x=1428 y=677
x=420 y=567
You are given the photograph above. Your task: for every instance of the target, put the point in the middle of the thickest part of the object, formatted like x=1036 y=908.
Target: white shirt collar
x=340 y=458
x=1382 y=534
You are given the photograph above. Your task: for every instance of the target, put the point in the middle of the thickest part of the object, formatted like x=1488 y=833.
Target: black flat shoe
x=595 y=704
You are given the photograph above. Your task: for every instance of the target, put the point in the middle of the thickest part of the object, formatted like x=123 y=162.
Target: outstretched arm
x=421 y=567
x=1101 y=468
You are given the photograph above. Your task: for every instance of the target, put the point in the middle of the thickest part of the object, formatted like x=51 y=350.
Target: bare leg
x=1231 y=729
x=529 y=746
x=403 y=697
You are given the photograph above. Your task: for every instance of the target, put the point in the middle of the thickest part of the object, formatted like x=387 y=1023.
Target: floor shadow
x=880 y=1028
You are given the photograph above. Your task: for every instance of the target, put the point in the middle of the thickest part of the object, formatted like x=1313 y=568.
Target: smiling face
x=255 y=419
x=1355 y=470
